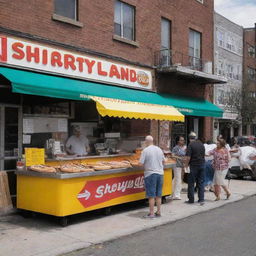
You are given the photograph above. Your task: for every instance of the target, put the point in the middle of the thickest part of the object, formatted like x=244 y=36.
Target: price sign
x=34 y=156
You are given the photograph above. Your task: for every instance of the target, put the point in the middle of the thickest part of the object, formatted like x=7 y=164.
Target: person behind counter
x=77 y=144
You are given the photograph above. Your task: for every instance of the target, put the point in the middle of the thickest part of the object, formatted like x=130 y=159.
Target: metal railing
x=167 y=58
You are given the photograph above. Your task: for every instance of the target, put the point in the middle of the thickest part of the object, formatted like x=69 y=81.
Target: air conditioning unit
x=207 y=68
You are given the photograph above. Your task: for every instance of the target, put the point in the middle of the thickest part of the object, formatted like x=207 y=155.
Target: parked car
x=243 y=163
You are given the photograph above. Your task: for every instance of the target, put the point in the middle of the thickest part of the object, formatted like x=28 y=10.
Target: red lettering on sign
x=100 y=71
x=3 y=49
x=125 y=73
x=114 y=71
x=31 y=54
x=69 y=61
x=90 y=64
x=17 y=47
x=80 y=63
x=45 y=57
x=100 y=191
x=56 y=59
x=133 y=75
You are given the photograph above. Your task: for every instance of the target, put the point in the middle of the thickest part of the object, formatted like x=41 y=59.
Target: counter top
x=87 y=157
x=60 y=175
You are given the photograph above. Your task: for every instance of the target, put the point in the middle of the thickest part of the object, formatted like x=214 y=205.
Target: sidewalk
x=41 y=237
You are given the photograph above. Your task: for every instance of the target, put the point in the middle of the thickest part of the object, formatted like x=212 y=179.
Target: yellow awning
x=137 y=110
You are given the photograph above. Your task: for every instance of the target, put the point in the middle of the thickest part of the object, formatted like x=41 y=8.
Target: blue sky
x=242 y=12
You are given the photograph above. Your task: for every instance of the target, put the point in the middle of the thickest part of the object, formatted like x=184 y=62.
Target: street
x=226 y=231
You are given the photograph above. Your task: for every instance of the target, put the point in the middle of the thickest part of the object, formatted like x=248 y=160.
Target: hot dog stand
x=114 y=102
x=63 y=194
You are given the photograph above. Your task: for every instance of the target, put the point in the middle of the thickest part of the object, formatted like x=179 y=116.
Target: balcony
x=185 y=66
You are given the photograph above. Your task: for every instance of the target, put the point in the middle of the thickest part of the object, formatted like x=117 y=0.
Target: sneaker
x=148 y=216
x=201 y=203
x=176 y=198
x=188 y=202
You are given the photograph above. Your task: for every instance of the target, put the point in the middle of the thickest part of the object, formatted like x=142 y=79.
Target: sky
x=242 y=12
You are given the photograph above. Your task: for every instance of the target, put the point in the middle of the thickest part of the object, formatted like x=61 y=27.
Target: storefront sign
x=39 y=57
x=229 y=115
x=99 y=191
x=34 y=156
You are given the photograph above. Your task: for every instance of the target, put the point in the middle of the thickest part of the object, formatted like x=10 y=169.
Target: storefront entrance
x=10 y=141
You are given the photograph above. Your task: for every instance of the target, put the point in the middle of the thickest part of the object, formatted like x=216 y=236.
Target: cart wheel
x=63 y=221
x=107 y=211
x=164 y=200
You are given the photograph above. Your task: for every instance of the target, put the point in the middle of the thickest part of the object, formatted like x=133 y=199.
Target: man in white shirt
x=152 y=158
x=77 y=144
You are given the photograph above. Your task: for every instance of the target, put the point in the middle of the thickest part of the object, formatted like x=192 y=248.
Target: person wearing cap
x=152 y=158
x=196 y=162
x=77 y=144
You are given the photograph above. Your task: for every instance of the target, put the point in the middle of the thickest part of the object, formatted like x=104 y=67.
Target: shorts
x=154 y=185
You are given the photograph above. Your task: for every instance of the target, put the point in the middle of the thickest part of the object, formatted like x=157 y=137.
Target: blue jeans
x=209 y=172
x=154 y=185
x=197 y=174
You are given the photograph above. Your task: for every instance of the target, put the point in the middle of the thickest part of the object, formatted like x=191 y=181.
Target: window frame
x=170 y=33
x=122 y=21
x=200 y=48
x=251 y=73
x=253 y=48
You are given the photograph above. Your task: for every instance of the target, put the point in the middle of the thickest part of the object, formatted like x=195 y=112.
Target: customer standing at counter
x=77 y=144
x=152 y=158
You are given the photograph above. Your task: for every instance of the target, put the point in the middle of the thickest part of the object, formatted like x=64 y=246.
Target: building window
x=66 y=8
x=195 y=50
x=221 y=37
x=230 y=71
x=252 y=94
x=237 y=75
x=251 y=51
x=165 y=34
x=200 y=1
x=124 y=20
x=252 y=74
x=229 y=43
x=194 y=44
x=165 y=56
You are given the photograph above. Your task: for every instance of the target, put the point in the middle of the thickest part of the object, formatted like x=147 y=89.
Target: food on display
x=71 y=168
x=101 y=167
x=74 y=167
x=119 y=164
x=42 y=168
x=135 y=162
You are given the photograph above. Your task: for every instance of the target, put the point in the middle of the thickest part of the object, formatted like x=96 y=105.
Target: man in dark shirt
x=196 y=161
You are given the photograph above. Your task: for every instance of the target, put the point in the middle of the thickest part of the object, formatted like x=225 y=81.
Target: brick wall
x=35 y=17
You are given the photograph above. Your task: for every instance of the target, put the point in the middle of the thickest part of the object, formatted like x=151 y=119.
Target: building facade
x=228 y=62
x=249 y=81
x=165 y=47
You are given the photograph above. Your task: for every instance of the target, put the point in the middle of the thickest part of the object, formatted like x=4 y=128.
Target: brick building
x=249 y=81
x=169 y=43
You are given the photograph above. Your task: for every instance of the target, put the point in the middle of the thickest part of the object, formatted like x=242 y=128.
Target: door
x=10 y=141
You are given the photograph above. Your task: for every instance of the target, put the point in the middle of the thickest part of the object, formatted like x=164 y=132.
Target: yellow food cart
x=64 y=194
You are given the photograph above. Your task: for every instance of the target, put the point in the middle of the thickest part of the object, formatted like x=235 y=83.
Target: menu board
x=34 y=156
